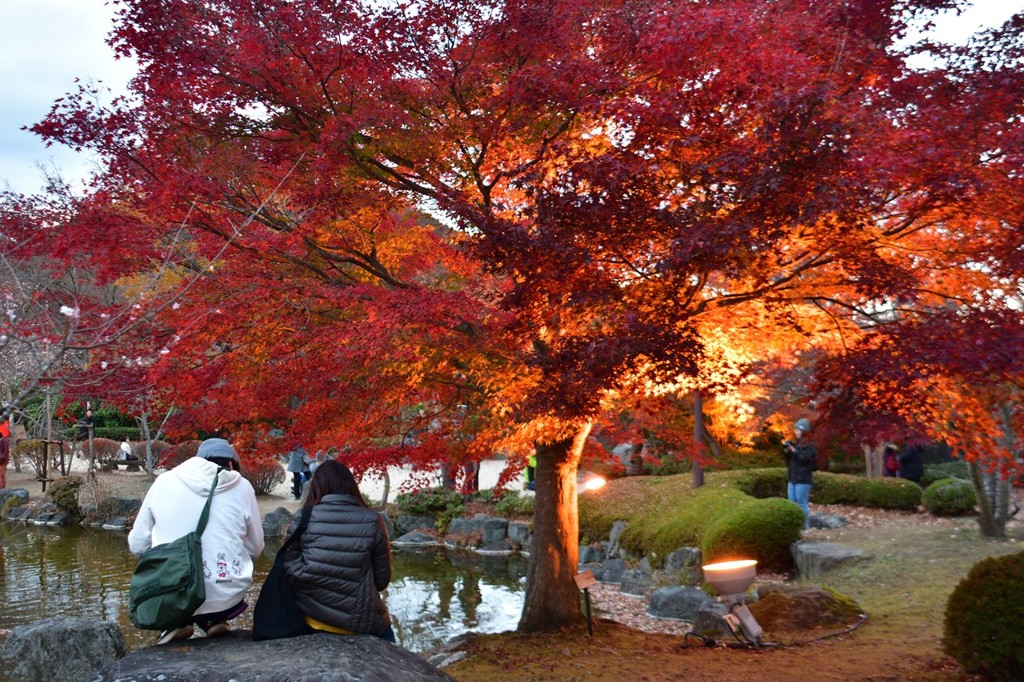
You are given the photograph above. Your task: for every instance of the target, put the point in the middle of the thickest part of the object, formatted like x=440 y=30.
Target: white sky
x=47 y=44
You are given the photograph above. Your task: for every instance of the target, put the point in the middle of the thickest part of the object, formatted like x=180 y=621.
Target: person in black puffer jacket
x=801 y=461
x=339 y=565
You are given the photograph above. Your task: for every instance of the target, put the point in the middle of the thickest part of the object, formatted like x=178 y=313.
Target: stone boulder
x=802 y=607
x=680 y=602
x=812 y=559
x=495 y=530
x=275 y=523
x=416 y=539
x=614 y=535
x=611 y=571
x=321 y=657
x=828 y=521
x=682 y=558
x=636 y=582
x=519 y=533
x=592 y=554
x=406 y=523
x=710 y=622
x=464 y=526
x=19 y=494
x=60 y=648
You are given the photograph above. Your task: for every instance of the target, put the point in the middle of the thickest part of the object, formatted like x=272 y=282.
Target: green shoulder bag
x=168 y=585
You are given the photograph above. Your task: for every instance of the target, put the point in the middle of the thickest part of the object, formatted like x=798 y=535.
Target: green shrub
x=937 y=472
x=882 y=493
x=982 y=622
x=755 y=529
x=890 y=493
x=429 y=501
x=511 y=503
x=949 y=497
x=64 y=493
x=118 y=433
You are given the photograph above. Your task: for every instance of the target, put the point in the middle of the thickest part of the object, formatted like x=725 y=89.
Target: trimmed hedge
x=755 y=529
x=118 y=433
x=949 y=497
x=828 y=488
x=982 y=620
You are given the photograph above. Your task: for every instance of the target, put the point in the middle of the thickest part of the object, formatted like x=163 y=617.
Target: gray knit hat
x=217 y=447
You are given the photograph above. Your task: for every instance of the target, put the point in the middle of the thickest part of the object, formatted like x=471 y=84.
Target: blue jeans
x=801 y=494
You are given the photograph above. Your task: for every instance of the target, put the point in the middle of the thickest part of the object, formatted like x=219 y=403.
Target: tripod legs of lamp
x=741 y=619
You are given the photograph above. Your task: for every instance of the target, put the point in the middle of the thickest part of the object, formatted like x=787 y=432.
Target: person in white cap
x=801 y=461
x=232 y=540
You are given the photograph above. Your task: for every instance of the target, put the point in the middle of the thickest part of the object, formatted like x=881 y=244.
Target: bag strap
x=205 y=516
x=303 y=523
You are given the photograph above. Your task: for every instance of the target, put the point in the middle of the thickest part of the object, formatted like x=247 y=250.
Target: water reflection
x=434 y=595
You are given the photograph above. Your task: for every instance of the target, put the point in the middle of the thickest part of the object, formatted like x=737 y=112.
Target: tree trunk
x=552 y=599
x=143 y=421
x=993 y=494
x=873 y=459
x=387 y=488
x=10 y=426
x=698 y=436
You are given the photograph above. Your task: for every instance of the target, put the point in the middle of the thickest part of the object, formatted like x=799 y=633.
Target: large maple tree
x=611 y=179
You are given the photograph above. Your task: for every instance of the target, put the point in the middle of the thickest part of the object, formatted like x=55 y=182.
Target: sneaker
x=218 y=629
x=174 y=634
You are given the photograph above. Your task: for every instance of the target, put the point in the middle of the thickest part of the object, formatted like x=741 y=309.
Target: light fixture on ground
x=731 y=580
x=588 y=480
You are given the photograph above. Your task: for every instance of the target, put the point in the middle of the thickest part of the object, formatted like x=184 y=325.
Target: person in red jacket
x=5 y=451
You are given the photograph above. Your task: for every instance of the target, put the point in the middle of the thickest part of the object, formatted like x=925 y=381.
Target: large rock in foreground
x=60 y=648
x=321 y=658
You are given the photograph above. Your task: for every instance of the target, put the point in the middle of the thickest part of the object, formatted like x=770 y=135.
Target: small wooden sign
x=585 y=579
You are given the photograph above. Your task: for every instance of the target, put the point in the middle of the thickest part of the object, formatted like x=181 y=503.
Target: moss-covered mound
x=802 y=607
x=664 y=513
x=755 y=529
x=982 y=625
x=949 y=497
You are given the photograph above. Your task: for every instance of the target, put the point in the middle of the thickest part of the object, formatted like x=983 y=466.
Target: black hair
x=228 y=463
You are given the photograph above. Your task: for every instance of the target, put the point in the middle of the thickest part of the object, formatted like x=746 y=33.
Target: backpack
x=891 y=463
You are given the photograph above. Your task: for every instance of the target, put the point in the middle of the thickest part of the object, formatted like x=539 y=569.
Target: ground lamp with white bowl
x=731 y=580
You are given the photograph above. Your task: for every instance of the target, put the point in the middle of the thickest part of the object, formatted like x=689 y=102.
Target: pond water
x=434 y=594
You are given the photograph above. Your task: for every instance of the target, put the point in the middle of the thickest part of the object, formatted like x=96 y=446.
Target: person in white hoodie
x=232 y=540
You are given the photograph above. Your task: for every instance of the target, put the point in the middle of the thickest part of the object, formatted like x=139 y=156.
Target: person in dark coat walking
x=298 y=467
x=801 y=461
x=912 y=463
x=339 y=565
